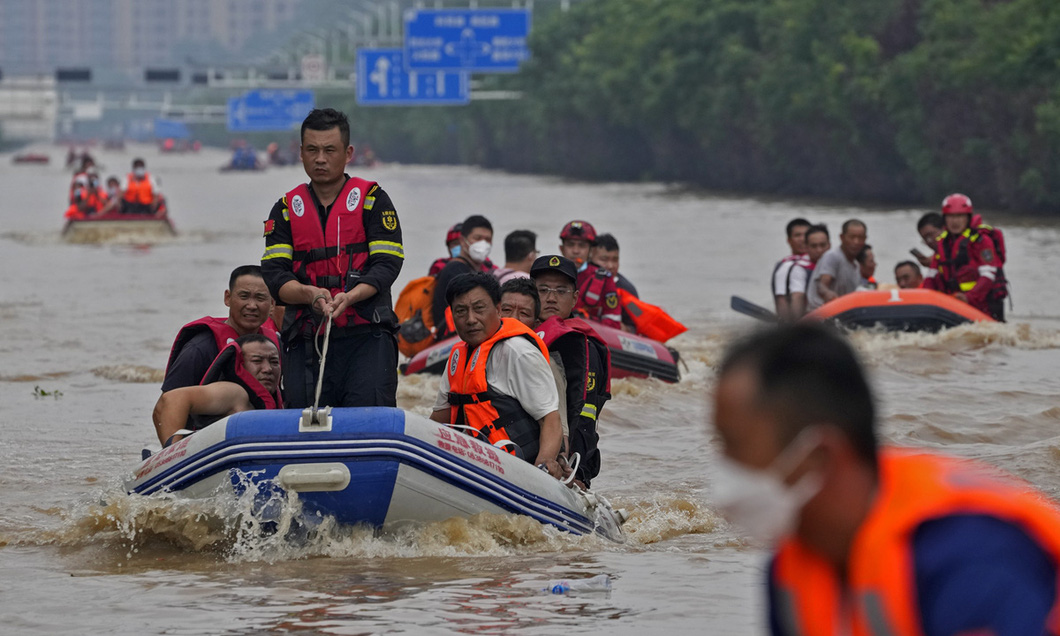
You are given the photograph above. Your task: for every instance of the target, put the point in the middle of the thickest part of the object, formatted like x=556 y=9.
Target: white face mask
x=139 y=172
x=758 y=500
x=479 y=251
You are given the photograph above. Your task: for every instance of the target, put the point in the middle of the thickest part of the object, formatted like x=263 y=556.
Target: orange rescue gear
x=878 y=594
x=415 y=322
x=650 y=321
x=494 y=416
x=139 y=190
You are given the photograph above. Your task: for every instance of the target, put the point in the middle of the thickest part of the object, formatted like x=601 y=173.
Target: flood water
x=87 y=330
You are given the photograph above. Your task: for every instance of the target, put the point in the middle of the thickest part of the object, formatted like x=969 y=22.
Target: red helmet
x=578 y=230
x=453 y=234
x=957 y=204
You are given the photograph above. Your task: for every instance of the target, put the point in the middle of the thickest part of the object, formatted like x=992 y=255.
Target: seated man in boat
x=476 y=240
x=837 y=273
x=140 y=193
x=520 y=300
x=245 y=376
x=928 y=227
x=520 y=250
x=199 y=342
x=866 y=268
x=785 y=267
x=497 y=385
x=580 y=352
x=605 y=254
x=817 y=243
x=907 y=275
x=598 y=294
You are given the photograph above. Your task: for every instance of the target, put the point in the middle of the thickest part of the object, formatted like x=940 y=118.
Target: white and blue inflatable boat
x=382 y=467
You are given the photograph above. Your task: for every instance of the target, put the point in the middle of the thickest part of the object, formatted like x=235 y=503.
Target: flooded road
x=87 y=330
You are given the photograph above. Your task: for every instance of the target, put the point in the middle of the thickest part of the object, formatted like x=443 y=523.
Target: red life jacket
x=598 y=296
x=324 y=256
x=968 y=263
x=223 y=334
x=139 y=190
x=228 y=367
x=495 y=417
x=588 y=386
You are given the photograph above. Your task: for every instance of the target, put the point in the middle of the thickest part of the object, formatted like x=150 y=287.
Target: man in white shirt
x=785 y=268
x=497 y=385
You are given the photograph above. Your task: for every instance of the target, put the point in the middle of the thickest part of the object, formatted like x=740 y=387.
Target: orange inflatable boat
x=898 y=310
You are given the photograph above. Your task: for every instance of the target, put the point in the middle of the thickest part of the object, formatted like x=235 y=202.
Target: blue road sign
x=471 y=40
x=268 y=110
x=383 y=81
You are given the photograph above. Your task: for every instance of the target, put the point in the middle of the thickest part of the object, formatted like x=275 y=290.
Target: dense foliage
x=892 y=100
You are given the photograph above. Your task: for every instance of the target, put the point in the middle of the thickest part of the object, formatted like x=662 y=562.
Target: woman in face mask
x=471 y=254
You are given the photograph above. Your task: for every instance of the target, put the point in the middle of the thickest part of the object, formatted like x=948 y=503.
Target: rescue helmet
x=578 y=230
x=957 y=203
x=453 y=234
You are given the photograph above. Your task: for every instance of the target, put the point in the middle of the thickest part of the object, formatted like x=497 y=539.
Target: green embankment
x=899 y=101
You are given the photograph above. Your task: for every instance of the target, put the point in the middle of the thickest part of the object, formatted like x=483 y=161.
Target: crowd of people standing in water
x=966 y=261
x=866 y=539
x=137 y=194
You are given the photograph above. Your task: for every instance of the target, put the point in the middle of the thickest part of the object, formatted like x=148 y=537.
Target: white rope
x=323 y=357
x=577 y=457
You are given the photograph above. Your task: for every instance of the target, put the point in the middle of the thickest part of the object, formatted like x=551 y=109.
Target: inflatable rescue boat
x=632 y=355
x=377 y=466
x=99 y=227
x=898 y=310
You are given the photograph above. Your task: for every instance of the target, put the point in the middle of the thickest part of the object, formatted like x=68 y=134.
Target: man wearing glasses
x=582 y=355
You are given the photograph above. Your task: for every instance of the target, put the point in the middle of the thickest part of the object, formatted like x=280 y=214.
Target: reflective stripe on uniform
x=988 y=271
x=279 y=250
x=369 y=202
x=589 y=411
x=967 y=286
x=386 y=247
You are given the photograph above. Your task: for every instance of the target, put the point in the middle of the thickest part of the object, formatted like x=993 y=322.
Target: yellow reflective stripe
x=286 y=216
x=589 y=411
x=279 y=250
x=369 y=202
x=386 y=247
x=967 y=286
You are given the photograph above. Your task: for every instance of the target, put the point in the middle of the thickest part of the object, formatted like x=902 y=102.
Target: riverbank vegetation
x=900 y=101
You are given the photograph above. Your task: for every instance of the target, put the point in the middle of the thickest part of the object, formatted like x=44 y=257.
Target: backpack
x=413 y=309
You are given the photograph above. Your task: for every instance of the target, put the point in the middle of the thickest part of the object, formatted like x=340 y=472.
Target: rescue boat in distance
x=377 y=466
x=101 y=227
x=632 y=355
x=898 y=310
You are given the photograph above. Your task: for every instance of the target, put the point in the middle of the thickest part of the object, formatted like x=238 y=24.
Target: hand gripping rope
x=313 y=418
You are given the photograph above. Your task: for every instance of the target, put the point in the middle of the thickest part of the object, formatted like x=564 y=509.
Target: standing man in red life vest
x=782 y=271
x=605 y=255
x=580 y=352
x=199 y=342
x=597 y=293
x=476 y=241
x=140 y=193
x=333 y=248
x=868 y=540
x=245 y=376
x=497 y=380
x=966 y=261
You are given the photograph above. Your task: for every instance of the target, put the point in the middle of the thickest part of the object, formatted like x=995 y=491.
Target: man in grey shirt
x=837 y=273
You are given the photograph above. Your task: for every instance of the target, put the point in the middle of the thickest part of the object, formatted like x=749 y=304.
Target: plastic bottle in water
x=598 y=583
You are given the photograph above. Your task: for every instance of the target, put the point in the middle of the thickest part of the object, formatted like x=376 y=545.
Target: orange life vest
x=650 y=321
x=415 y=320
x=326 y=262
x=880 y=593
x=139 y=190
x=494 y=416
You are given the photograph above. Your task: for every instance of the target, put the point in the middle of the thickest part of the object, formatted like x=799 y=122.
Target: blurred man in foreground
x=868 y=540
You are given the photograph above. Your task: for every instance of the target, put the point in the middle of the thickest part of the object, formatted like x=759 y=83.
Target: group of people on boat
x=138 y=194
x=966 y=261
x=529 y=374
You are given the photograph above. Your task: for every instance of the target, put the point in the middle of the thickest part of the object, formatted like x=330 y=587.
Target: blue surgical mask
x=454 y=251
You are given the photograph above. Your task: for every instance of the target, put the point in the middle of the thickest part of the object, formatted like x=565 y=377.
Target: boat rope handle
x=323 y=357
x=577 y=457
